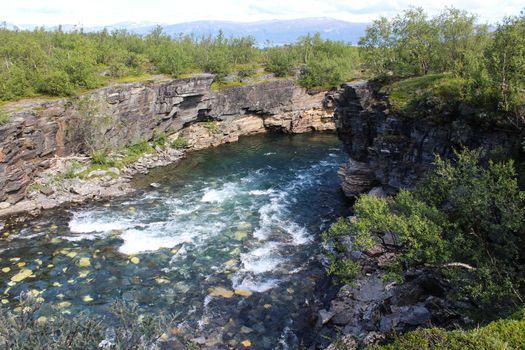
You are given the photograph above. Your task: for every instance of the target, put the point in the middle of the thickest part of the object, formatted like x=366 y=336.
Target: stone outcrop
x=395 y=151
x=125 y=114
x=387 y=152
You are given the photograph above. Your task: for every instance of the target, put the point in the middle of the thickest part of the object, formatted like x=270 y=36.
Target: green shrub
x=344 y=269
x=160 y=139
x=72 y=169
x=56 y=83
x=29 y=329
x=4 y=117
x=248 y=71
x=101 y=158
x=179 y=143
x=462 y=213
x=502 y=334
x=212 y=126
x=280 y=62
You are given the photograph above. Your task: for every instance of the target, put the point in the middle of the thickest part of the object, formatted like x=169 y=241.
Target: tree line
x=57 y=63
x=490 y=62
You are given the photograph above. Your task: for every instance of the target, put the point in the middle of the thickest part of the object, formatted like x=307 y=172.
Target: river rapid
x=227 y=241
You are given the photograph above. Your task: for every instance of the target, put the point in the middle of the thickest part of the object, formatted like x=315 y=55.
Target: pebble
x=84 y=262
x=220 y=292
x=243 y=292
x=22 y=275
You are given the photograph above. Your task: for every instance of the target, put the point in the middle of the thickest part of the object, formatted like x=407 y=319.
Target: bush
x=502 y=334
x=56 y=83
x=179 y=143
x=461 y=215
x=101 y=158
x=4 y=117
x=129 y=329
x=280 y=62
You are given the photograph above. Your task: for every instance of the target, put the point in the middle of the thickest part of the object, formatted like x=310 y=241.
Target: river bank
x=45 y=137
x=226 y=241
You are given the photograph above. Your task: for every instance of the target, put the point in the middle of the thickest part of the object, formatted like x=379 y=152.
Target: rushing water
x=229 y=242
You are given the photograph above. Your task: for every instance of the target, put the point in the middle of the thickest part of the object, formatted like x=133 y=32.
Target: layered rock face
x=394 y=152
x=126 y=114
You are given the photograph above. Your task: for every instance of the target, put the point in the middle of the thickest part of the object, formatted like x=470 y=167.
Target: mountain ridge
x=272 y=32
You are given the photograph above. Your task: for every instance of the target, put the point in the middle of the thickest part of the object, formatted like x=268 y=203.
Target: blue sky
x=103 y=12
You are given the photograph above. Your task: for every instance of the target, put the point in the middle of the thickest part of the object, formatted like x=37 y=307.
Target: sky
x=89 y=13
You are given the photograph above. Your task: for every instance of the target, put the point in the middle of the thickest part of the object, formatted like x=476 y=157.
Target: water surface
x=228 y=242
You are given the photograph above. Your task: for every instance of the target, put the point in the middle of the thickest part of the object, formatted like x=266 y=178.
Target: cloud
x=103 y=12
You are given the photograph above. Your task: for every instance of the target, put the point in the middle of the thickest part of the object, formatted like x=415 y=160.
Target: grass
x=439 y=92
x=179 y=143
x=230 y=84
x=27 y=328
x=134 y=78
x=502 y=334
x=4 y=117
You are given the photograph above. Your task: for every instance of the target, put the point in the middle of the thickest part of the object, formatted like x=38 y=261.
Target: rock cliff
x=40 y=131
x=395 y=151
x=388 y=152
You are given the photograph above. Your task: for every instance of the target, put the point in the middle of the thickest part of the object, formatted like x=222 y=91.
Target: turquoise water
x=229 y=242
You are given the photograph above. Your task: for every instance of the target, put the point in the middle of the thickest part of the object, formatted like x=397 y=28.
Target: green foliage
x=414 y=44
x=247 y=71
x=502 y=334
x=4 y=117
x=217 y=85
x=506 y=68
x=344 y=269
x=62 y=64
x=280 y=61
x=489 y=67
x=463 y=213
x=101 y=158
x=327 y=64
x=212 y=126
x=414 y=97
x=340 y=266
x=55 y=83
x=411 y=223
x=179 y=143
x=160 y=139
x=72 y=169
x=28 y=329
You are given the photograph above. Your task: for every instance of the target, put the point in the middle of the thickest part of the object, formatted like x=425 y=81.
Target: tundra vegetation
x=447 y=60
x=57 y=63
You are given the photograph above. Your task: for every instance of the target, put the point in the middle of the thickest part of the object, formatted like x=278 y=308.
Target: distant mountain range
x=277 y=32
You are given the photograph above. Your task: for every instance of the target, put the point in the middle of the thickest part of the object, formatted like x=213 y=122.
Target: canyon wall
x=121 y=115
x=394 y=151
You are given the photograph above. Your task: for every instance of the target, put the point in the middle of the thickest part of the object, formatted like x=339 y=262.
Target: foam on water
x=97 y=221
x=229 y=190
x=160 y=235
x=262 y=259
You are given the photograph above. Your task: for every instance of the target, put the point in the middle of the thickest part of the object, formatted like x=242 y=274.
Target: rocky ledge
x=374 y=309
x=395 y=151
x=388 y=152
x=44 y=135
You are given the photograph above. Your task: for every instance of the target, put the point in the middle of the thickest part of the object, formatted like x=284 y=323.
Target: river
x=227 y=241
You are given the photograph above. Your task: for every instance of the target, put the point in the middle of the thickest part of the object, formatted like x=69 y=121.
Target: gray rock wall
x=393 y=151
x=125 y=114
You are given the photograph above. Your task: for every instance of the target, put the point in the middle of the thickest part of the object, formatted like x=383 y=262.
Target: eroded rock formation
x=395 y=151
x=125 y=114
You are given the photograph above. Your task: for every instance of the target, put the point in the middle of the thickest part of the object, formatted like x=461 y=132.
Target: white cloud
x=101 y=12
